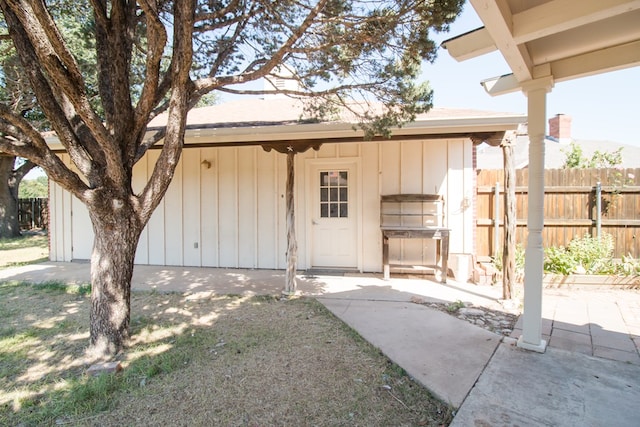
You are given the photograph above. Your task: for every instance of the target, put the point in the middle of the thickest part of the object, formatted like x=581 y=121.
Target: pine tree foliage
x=97 y=71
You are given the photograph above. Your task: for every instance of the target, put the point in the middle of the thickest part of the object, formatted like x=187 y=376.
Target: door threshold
x=328 y=271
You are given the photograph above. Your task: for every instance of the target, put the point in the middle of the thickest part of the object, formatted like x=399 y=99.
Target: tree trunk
x=509 y=247
x=292 y=245
x=9 y=221
x=116 y=238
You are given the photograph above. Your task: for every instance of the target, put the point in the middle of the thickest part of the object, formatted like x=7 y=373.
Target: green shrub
x=559 y=261
x=628 y=266
x=519 y=260
x=593 y=254
x=586 y=255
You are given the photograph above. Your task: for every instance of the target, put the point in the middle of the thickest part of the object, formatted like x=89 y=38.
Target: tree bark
x=509 y=247
x=116 y=238
x=292 y=244
x=9 y=222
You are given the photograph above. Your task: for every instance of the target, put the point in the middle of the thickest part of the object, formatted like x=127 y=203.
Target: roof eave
x=256 y=135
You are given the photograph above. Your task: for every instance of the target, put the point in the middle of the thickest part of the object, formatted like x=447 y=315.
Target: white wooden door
x=333 y=215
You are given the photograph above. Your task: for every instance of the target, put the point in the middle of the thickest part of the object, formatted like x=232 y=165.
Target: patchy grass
x=27 y=249
x=199 y=360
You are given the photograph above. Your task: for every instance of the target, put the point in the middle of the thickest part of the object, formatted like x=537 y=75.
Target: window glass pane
x=333 y=178
x=343 y=194
x=344 y=210
x=334 y=194
x=324 y=194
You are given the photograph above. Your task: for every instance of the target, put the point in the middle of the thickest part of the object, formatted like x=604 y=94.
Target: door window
x=334 y=191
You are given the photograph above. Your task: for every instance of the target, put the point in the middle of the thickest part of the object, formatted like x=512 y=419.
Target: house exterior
x=557 y=145
x=226 y=205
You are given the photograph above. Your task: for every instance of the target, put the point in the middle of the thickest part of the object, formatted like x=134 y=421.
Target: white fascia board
x=328 y=131
x=507 y=83
x=255 y=135
x=470 y=45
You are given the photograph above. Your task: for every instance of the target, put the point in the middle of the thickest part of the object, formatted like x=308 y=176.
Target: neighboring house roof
x=491 y=157
x=254 y=121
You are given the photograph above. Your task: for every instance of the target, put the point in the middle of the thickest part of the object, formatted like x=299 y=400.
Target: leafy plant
x=599 y=160
x=34 y=188
x=455 y=306
x=519 y=261
x=629 y=266
x=587 y=255
x=559 y=261
x=592 y=253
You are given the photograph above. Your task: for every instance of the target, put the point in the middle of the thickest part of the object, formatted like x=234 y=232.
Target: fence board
x=570 y=207
x=33 y=213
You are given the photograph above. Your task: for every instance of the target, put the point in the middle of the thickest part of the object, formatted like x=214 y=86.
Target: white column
x=531 y=338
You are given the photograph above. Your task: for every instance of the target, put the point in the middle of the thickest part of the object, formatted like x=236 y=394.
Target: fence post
x=496 y=219
x=598 y=208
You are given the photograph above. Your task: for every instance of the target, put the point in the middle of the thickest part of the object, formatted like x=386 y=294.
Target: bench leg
x=445 y=258
x=385 y=257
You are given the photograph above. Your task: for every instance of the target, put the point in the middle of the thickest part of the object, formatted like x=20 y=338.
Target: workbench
x=414 y=216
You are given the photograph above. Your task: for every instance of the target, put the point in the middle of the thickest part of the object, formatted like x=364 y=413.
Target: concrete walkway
x=589 y=375
x=603 y=323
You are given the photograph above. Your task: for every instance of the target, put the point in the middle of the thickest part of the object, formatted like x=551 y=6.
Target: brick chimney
x=560 y=128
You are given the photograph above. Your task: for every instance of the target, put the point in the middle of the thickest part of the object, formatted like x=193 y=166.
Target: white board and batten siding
x=232 y=213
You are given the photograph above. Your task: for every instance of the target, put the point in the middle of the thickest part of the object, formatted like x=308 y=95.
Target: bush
x=585 y=255
x=628 y=266
x=559 y=261
x=594 y=254
x=519 y=260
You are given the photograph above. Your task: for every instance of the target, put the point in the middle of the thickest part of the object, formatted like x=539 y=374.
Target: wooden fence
x=33 y=213
x=571 y=208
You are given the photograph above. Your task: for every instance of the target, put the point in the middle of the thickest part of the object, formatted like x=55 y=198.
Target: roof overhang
x=560 y=39
x=477 y=128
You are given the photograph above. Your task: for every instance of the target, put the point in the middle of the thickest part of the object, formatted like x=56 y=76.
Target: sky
x=603 y=107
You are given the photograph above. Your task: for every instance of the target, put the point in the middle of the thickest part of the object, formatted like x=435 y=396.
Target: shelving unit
x=414 y=216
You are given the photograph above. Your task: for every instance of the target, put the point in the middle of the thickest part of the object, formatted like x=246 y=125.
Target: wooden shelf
x=414 y=216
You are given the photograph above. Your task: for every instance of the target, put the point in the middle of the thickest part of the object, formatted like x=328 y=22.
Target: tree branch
x=177 y=113
x=23 y=169
x=53 y=56
x=84 y=152
x=157 y=39
x=52 y=165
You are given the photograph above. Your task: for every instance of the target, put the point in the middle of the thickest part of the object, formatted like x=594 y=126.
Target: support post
x=509 y=245
x=496 y=219
x=292 y=244
x=598 y=208
x=531 y=338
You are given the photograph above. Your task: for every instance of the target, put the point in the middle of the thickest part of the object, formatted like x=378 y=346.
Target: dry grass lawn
x=32 y=247
x=199 y=360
